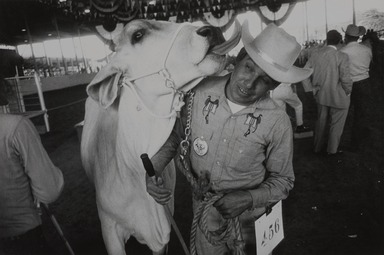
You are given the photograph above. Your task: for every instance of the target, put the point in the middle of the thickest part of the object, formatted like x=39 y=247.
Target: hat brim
x=361 y=32
x=291 y=75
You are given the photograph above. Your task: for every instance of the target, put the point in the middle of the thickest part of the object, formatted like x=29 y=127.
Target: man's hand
x=233 y=204
x=156 y=190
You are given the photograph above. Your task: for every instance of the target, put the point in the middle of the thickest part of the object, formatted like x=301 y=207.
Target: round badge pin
x=200 y=146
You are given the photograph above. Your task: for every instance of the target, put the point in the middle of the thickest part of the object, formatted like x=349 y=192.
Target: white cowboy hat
x=354 y=30
x=275 y=51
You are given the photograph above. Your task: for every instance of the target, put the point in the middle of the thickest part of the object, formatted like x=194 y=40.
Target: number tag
x=269 y=230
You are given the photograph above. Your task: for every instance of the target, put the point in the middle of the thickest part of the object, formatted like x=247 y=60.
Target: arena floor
x=336 y=206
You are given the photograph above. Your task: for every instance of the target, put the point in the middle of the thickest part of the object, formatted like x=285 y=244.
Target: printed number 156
x=270 y=232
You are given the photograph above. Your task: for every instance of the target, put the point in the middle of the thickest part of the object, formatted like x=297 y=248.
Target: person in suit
x=331 y=85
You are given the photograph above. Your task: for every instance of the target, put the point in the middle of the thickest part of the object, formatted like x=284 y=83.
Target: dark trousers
x=360 y=97
x=32 y=242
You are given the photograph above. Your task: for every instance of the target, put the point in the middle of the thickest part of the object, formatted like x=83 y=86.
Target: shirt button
x=232 y=117
x=218 y=163
x=224 y=140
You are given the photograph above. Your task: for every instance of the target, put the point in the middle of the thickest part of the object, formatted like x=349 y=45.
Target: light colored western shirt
x=26 y=174
x=360 y=57
x=260 y=162
x=283 y=95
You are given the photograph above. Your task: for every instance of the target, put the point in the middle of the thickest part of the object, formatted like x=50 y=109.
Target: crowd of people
x=340 y=81
x=241 y=138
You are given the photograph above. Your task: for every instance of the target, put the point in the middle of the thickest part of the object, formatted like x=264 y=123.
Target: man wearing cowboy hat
x=240 y=139
x=360 y=57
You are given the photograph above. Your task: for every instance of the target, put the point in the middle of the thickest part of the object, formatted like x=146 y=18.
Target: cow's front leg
x=162 y=251
x=113 y=235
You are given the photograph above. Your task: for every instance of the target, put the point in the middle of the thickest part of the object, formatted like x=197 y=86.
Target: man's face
x=248 y=83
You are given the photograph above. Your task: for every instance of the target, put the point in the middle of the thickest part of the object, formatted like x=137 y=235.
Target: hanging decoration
x=219 y=13
x=110 y=36
x=106 y=6
x=274 y=6
x=226 y=18
x=127 y=11
x=274 y=9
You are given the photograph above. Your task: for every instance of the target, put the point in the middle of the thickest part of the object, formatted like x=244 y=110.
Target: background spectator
x=360 y=57
x=332 y=85
x=27 y=177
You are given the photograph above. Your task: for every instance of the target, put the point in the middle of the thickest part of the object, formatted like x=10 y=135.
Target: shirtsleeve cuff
x=260 y=197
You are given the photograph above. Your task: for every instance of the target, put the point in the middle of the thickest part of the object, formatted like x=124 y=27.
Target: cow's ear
x=104 y=88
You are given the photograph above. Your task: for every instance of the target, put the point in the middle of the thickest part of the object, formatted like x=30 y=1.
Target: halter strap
x=175 y=108
x=163 y=73
x=163 y=70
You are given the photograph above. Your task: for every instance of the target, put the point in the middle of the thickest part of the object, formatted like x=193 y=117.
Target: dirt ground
x=336 y=206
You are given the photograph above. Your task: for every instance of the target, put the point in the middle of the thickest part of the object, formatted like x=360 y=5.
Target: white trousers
x=284 y=94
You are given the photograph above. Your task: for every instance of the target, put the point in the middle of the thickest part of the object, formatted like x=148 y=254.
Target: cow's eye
x=137 y=36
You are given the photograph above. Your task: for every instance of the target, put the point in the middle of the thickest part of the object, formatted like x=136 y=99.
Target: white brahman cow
x=131 y=110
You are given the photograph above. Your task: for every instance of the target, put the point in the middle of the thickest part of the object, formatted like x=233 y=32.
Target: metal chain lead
x=184 y=144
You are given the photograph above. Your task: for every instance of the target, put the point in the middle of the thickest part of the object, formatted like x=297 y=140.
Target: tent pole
x=48 y=62
x=326 y=16
x=76 y=58
x=354 y=12
x=306 y=20
x=61 y=46
x=30 y=43
x=82 y=50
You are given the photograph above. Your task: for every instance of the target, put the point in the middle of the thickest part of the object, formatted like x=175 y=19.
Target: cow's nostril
x=213 y=34
x=205 y=31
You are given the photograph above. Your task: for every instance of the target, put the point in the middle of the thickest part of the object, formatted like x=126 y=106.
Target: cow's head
x=145 y=47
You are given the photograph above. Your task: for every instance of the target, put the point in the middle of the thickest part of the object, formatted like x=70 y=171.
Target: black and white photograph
x=191 y=127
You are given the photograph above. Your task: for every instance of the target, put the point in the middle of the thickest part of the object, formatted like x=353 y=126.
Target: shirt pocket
x=246 y=155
